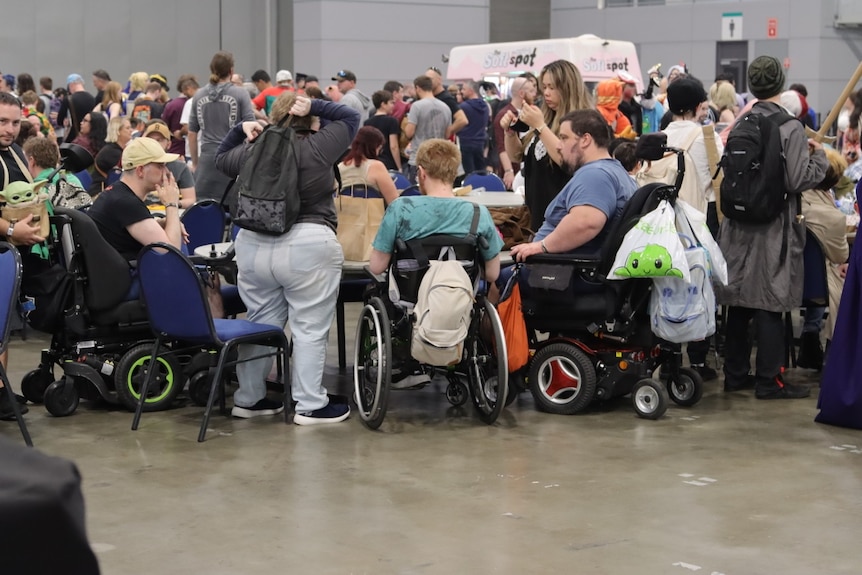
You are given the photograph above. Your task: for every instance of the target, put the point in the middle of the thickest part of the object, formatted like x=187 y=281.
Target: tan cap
x=160 y=128
x=143 y=151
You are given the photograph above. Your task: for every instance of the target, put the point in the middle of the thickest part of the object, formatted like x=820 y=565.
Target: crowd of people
x=563 y=144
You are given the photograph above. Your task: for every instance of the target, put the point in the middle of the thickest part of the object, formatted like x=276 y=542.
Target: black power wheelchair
x=100 y=340
x=384 y=334
x=600 y=344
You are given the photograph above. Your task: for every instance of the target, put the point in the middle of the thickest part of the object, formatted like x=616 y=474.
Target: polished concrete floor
x=732 y=486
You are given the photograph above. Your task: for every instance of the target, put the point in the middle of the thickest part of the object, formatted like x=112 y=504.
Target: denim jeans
x=294 y=276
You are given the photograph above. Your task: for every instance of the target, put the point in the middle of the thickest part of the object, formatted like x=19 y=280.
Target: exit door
x=732 y=58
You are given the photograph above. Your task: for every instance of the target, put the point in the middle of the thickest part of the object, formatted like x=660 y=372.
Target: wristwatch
x=172 y=205
x=544 y=249
x=11 y=229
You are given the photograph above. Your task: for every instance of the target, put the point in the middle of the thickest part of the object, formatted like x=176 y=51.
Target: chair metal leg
x=148 y=380
x=284 y=367
x=16 y=409
x=214 y=387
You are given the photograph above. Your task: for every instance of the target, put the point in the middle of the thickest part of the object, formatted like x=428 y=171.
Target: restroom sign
x=772 y=28
x=731 y=26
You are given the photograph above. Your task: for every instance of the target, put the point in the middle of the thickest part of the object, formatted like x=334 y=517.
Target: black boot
x=810 y=351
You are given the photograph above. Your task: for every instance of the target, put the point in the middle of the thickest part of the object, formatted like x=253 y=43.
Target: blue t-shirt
x=414 y=217
x=602 y=184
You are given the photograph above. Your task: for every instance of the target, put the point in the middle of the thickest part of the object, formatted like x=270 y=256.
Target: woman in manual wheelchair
x=405 y=328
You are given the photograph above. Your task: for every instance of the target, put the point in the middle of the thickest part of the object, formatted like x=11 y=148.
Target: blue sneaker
x=332 y=413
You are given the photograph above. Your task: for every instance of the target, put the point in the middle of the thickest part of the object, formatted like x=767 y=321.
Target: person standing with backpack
x=768 y=162
x=293 y=275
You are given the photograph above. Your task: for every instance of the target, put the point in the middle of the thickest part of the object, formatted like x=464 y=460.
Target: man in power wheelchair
x=600 y=344
x=414 y=232
x=89 y=300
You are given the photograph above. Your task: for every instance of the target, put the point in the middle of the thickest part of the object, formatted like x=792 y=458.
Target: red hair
x=364 y=145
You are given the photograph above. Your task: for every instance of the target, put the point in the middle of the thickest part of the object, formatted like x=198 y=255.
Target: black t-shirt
x=543 y=180
x=107 y=160
x=11 y=166
x=147 y=110
x=449 y=100
x=82 y=103
x=114 y=210
x=387 y=125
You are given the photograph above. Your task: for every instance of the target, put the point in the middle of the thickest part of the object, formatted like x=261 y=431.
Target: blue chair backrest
x=174 y=294
x=85 y=179
x=815 y=285
x=205 y=223
x=10 y=281
x=491 y=182
x=400 y=180
x=411 y=191
x=114 y=174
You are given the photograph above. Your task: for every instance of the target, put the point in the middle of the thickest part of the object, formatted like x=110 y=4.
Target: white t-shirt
x=184 y=121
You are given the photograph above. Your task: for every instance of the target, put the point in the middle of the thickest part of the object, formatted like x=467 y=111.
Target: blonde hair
x=834 y=171
x=722 y=95
x=440 y=159
x=112 y=95
x=573 y=92
x=114 y=126
x=281 y=108
x=138 y=81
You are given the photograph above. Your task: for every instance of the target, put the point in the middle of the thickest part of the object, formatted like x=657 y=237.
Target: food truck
x=596 y=58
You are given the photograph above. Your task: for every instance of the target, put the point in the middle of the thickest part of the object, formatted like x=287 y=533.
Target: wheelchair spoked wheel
x=131 y=372
x=487 y=368
x=685 y=388
x=562 y=379
x=650 y=398
x=372 y=363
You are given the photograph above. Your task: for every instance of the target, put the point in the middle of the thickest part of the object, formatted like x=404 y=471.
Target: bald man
x=522 y=91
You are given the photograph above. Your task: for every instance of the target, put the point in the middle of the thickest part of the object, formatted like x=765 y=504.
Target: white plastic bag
x=689 y=220
x=683 y=311
x=652 y=249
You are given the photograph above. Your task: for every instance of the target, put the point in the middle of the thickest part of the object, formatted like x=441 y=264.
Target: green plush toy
x=18 y=193
x=652 y=260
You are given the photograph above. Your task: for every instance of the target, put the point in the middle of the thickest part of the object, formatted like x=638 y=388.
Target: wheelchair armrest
x=572 y=259
x=377 y=278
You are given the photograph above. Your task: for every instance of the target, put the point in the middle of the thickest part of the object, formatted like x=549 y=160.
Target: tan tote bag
x=360 y=211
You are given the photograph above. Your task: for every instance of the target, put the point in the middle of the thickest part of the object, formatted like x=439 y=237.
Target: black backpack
x=753 y=189
x=268 y=183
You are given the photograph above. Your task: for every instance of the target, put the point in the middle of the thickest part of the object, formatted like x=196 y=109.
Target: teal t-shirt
x=414 y=217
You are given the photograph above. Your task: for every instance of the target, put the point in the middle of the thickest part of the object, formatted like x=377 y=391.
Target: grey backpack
x=268 y=183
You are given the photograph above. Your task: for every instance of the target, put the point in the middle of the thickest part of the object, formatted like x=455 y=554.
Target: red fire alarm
x=772 y=28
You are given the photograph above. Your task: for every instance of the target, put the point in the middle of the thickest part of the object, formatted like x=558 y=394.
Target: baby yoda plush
x=18 y=193
x=24 y=198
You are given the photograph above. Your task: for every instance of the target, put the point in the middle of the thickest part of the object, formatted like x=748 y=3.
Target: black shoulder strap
x=474 y=225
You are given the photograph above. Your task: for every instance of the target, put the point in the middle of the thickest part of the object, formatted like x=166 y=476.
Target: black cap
x=685 y=95
x=344 y=75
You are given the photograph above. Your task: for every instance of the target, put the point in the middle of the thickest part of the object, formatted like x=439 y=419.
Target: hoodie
x=359 y=102
x=475 y=132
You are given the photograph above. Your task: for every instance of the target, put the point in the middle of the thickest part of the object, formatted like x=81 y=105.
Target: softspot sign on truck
x=597 y=59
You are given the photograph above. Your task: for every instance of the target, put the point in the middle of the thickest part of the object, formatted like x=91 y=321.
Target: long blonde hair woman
x=112 y=101
x=563 y=91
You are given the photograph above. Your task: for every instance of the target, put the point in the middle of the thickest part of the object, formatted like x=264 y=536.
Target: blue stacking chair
x=85 y=178
x=10 y=282
x=491 y=182
x=178 y=311
x=411 y=191
x=400 y=180
x=205 y=223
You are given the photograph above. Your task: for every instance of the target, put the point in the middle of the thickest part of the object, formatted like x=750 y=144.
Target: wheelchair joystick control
x=213 y=251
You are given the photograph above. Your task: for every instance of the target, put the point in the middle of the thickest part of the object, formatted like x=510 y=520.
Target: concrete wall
x=170 y=37
x=820 y=56
x=383 y=39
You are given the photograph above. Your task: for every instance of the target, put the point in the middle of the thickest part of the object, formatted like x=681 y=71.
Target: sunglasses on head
x=435 y=69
